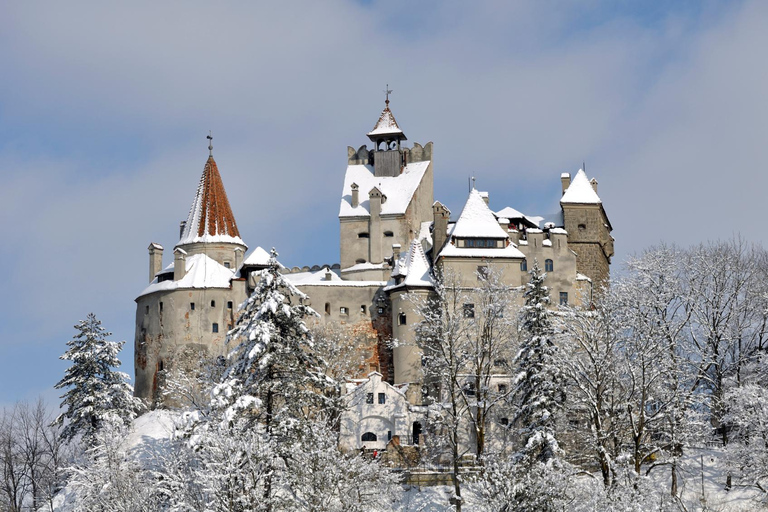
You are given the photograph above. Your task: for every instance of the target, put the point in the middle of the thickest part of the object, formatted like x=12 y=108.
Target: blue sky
x=104 y=111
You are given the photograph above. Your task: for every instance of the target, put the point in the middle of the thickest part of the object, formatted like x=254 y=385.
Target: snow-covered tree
x=97 y=394
x=442 y=336
x=539 y=383
x=273 y=376
x=490 y=346
x=590 y=363
x=111 y=479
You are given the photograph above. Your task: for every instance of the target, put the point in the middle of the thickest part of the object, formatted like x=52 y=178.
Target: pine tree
x=97 y=393
x=272 y=377
x=539 y=382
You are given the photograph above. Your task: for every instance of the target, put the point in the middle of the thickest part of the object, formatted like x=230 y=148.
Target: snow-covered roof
x=202 y=272
x=415 y=267
x=257 y=257
x=510 y=251
x=580 y=191
x=386 y=125
x=477 y=220
x=511 y=213
x=317 y=278
x=398 y=190
x=365 y=266
x=210 y=218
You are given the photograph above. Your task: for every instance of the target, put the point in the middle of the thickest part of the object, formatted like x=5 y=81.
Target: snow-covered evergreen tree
x=538 y=382
x=273 y=376
x=97 y=393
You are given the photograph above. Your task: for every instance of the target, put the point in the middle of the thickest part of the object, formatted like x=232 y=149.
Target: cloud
x=104 y=110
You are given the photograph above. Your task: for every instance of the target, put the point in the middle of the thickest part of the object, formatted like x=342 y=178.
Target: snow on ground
x=151 y=431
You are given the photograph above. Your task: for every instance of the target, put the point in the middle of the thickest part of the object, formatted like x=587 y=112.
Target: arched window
x=549 y=265
x=358 y=261
x=327 y=308
x=368 y=436
x=524 y=265
x=363 y=235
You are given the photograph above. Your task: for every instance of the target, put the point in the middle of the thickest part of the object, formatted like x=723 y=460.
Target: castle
x=393 y=236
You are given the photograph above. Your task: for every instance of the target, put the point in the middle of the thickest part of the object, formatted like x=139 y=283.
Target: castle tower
x=387 y=196
x=387 y=136
x=588 y=227
x=189 y=306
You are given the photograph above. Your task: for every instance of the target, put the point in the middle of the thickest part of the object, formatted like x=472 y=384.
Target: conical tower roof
x=386 y=126
x=210 y=218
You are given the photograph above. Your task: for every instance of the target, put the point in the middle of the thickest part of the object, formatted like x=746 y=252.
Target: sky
x=105 y=106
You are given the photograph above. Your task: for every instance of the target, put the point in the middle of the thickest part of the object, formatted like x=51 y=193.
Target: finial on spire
x=473 y=183
x=210 y=143
x=387 y=91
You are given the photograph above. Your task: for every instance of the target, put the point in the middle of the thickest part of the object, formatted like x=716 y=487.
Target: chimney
x=355 y=196
x=504 y=223
x=441 y=214
x=328 y=274
x=155 y=260
x=182 y=225
x=593 y=182
x=238 y=257
x=565 y=179
x=179 y=264
x=375 y=200
x=395 y=253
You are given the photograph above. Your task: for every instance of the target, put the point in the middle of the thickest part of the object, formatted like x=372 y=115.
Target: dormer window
x=481 y=243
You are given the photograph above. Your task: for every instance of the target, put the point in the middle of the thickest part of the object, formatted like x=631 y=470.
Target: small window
x=549 y=265
x=363 y=235
x=343 y=311
x=229 y=304
x=401 y=319
x=161 y=306
x=359 y=261
x=389 y=435
x=362 y=308
x=368 y=437
x=146 y=310
x=524 y=265
x=215 y=328
x=160 y=366
x=380 y=310
x=482 y=272
x=327 y=308
x=192 y=306
x=382 y=398
x=504 y=421
x=369 y=398
x=229 y=327
x=563 y=298
x=389 y=234
x=469 y=311
x=213 y=303
x=582 y=227
x=500 y=363
x=503 y=389
x=469 y=389
x=227 y=264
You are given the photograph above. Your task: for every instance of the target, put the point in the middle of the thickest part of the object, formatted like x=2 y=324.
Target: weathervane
x=387 y=91
x=210 y=143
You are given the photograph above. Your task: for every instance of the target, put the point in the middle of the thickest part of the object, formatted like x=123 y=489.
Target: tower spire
x=210 y=143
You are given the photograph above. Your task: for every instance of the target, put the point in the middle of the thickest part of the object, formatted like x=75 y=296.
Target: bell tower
x=388 y=157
